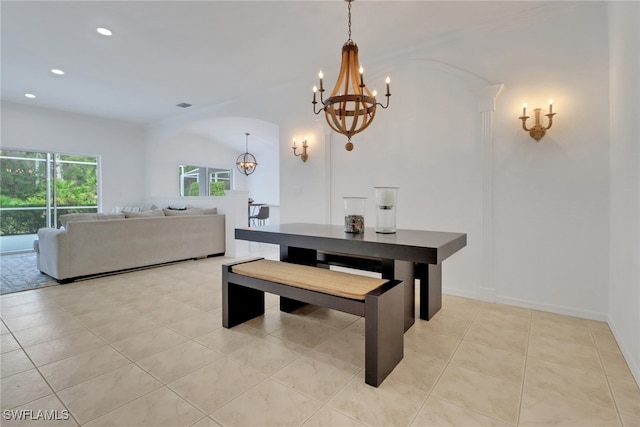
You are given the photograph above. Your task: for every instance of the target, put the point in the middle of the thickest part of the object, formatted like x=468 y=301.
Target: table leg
x=403 y=270
x=430 y=276
x=297 y=256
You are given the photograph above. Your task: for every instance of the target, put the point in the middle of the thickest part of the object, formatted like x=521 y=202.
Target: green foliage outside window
x=194 y=189
x=217 y=188
x=23 y=184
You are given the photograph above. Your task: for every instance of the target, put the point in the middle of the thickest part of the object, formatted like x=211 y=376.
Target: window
x=37 y=187
x=191 y=178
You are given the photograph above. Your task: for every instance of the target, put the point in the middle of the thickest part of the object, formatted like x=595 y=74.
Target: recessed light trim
x=29 y=95
x=57 y=71
x=183 y=105
x=104 y=31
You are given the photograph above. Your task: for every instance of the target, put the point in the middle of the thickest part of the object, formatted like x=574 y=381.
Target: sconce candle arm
x=537 y=131
x=387 y=104
x=550 y=117
x=304 y=156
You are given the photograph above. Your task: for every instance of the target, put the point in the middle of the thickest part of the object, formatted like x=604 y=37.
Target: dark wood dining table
x=404 y=255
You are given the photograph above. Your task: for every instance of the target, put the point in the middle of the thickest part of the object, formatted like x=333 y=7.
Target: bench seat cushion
x=316 y=279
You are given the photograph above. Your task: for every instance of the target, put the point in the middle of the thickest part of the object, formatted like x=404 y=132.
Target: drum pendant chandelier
x=246 y=162
x=352 y=106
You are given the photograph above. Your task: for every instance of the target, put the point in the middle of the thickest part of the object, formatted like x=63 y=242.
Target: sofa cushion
x=145 y=214
x=190 y=211
x=87 y=217
x=109 y=216
x=76 y=217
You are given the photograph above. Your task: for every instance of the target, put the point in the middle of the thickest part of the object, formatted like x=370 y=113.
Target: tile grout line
x=435 y=383
x=429 y=394
x=53 y=391
x=606 y=377
x=524 y=369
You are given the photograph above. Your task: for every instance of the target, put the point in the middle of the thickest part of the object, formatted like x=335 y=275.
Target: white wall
x=121 y=146
x=199 y=139
x=551 y=198
x=624 y=278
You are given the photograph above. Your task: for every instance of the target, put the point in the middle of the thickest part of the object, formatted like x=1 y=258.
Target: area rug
x=19 y=273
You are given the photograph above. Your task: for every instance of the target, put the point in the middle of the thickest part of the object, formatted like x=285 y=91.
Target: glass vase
x=386 y=199
x=354 y=208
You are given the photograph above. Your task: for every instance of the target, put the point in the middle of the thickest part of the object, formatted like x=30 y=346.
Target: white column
x=328 y=173
x=236 y=214
x=486 y=97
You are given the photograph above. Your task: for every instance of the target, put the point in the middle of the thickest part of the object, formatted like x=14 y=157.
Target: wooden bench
x=380 y=301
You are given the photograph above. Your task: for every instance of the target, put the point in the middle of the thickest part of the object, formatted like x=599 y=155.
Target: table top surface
x=412 y=245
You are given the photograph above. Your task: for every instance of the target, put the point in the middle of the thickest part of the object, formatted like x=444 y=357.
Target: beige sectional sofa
x=89 y=247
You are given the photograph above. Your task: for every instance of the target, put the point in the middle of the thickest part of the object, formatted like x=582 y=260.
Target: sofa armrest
x=53 y=252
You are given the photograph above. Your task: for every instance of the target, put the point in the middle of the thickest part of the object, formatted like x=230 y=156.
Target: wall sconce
x=537 y=131
x=304 y=156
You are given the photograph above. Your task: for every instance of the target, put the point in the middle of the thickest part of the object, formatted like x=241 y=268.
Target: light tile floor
x=147 y=348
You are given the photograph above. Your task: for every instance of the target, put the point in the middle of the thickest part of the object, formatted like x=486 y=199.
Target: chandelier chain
x=349 y=6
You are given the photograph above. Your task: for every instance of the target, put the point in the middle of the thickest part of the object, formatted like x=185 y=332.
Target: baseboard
x=632 y=361
x=552 y=308
x=461 y=293
x=488 y=295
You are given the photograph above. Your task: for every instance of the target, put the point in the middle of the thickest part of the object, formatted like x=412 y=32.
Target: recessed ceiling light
x=29 y=95
x=183 y=105
x=56 y=71
x=104 y=31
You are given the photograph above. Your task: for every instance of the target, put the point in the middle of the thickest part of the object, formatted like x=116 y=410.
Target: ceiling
x=206 y=53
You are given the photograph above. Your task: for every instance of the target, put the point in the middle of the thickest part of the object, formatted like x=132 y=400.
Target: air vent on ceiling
x=183 y=105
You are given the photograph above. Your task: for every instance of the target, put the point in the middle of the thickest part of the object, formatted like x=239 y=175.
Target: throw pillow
x=146 y=214
x=109 y=216
x=119 y=209
x=132 y=209
x=77 y=217
x=210 y=211
x=192 y=211
x=64 y=219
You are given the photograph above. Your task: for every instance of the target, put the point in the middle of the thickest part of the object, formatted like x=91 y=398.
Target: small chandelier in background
x=352 y=106
x=537 y=131
x=246 y=162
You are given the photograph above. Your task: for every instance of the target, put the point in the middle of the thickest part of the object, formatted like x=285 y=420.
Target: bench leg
x=404 y=271
x=384 y=333
x=239 y=303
